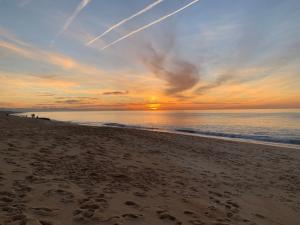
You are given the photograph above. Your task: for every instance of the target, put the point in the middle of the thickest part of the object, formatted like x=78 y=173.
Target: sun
x=153 y=106
x=153 y=103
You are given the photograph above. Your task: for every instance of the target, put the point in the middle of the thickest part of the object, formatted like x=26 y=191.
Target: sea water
x=271 y=126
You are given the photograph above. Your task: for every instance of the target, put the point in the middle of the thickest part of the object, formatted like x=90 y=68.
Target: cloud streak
x=150 y=24
x=115 y=93
x=24 y=3
x=53 y=58
x=147 y=8
x=81 y=6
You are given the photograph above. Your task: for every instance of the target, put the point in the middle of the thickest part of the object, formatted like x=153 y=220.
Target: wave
x=266 y=138
x=258 y=136
x=128 y=126
x=279 y=135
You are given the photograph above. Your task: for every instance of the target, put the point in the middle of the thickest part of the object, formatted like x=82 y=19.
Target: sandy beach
x=54 y=173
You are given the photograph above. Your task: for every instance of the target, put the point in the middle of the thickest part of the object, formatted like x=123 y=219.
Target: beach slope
x=54 y=173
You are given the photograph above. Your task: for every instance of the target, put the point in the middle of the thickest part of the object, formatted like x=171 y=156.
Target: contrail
x=81 y=6
x=125 y=21
x=150 y=24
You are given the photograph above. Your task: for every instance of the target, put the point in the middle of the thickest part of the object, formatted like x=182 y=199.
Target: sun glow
x=153 y=103
x=154 y=106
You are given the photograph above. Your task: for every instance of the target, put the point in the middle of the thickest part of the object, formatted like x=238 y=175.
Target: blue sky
x=229 y=46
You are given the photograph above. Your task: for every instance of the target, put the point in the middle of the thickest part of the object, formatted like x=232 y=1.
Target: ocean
x=266 y=126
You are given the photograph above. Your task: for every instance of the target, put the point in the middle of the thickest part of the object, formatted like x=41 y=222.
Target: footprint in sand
x=259 y=216
x=232 y=206
x=34 y=179
x=10 y=145
x=36 y=222
x=20 y=187
x=10 y=209
x=77 y=215
x=131 y=203
x=196 y=222
x=6 y=197
x=191 y=214
x=46 y=223
x=163 y=215
x=62 y=195
x=132 y=216
x=88 y=207
x=186 y=212
x=43 y=211
x=140 y=194
x=84 y=214
x=99 y=203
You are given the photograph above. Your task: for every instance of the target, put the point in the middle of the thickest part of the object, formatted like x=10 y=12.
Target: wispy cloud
x=150 y=24
x=64 y=62
x=234 y=76
x=45 y=94
x=49 y=57
x=147 y=8
x=22 y=81
x=24 y=3
x=251 y=59
x=7 y=35
x=17 y=49
x=88 y=76
x=76 y=100
x=70 y=101
x=81 y=6
x=115 y=93
x=178 y=74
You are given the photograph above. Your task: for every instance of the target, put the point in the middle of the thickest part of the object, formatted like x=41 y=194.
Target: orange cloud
x=16 y=49
x=20 y=90
x=62 y=61
x=25 y=50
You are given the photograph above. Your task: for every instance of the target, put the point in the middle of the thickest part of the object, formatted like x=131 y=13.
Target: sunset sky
x=149 y=54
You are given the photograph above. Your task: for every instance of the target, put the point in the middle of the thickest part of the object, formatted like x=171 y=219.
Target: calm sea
x=272 y=126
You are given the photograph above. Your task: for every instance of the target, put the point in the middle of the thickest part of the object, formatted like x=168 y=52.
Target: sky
x=149 y=54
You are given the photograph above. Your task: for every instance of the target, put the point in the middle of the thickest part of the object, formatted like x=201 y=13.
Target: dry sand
x=62 y=174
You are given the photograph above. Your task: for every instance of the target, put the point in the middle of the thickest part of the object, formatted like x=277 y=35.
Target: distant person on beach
x=33 y=116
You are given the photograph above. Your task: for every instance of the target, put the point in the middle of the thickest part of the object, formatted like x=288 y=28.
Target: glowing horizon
x=207 y=55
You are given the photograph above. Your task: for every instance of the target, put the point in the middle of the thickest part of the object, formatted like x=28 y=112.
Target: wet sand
x=55 y=173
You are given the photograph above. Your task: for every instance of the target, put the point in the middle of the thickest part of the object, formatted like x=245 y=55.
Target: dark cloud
x=218 y=82
x=75 y=100
x=115 y=93
x=179 y=74
x=69 y=101
x=73 y=97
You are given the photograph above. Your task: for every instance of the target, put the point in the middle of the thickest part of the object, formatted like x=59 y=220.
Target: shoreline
x=125 y=126
x=61 y=173
x=239 y=140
